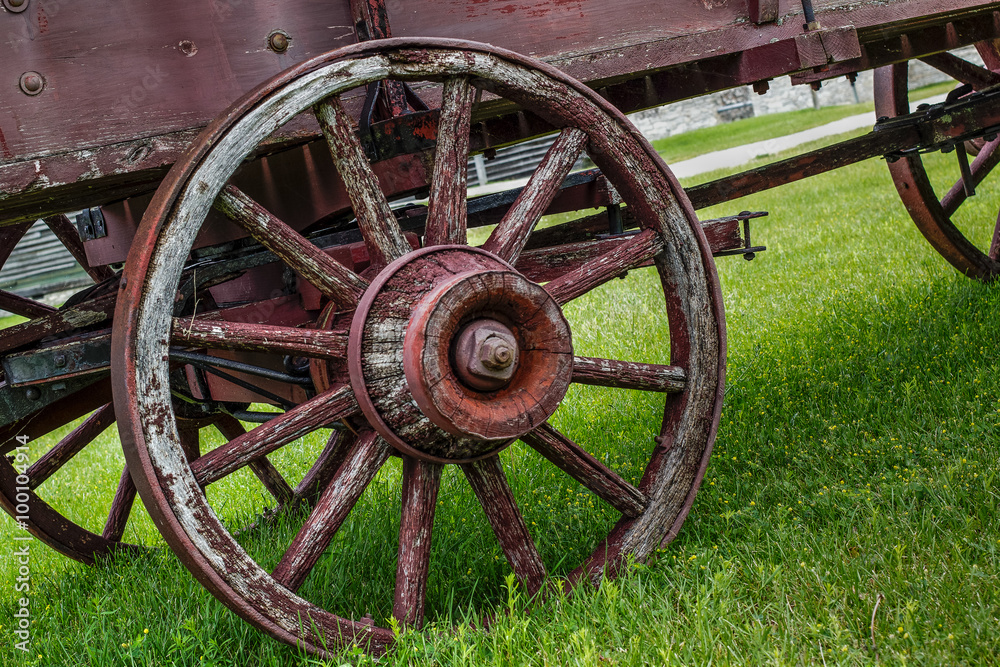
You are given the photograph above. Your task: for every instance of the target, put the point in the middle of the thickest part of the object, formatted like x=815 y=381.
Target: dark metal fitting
x=278 y=41
x=32 y=83
x=59 y=360
x=32 y=393
x=485 y=354
x=15 y=6
x=761 y=87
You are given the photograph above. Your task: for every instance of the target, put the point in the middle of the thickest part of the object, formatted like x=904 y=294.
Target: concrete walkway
x=739 y=155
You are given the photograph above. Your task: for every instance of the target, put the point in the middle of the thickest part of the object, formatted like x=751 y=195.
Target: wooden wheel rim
x=142 y=323
x=918 y=195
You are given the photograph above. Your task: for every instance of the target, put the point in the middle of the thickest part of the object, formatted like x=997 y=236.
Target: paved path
x=738 y=155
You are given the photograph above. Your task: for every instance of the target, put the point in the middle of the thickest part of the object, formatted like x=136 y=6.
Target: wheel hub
x=453 y=354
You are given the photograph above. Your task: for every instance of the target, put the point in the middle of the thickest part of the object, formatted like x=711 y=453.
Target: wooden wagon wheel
x=936 y=213
x=452 y=354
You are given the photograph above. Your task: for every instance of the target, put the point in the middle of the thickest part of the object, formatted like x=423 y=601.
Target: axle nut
x=15 y=6
x=485 y=355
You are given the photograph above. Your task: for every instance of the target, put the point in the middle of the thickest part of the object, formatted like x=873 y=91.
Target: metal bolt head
x=15 y=6
x=32 y=394
x=31 y=83
x=59 y=360
x=496 y=352
x=485 y=355
x=278 y=41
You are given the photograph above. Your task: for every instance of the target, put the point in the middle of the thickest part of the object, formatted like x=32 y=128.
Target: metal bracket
x=70 y=360
x=90 y=223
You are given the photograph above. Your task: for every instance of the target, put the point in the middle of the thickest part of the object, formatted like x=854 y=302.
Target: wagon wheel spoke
x=510 y=235
x=421 y=481
x=378 y=225
x=68 y=235
x=628 y=374
x=615 y=263
x=488 y=481
x=982 y=165
x=330 y=277
x=269 y=476
x=294 y=341
x=446 y=214
x=962 y=70
x=70 y=446
x=121 y=508
x=326 y=465
x=584 y=468
x=995 y=244
x=326 y=408
x=335 y=503
x=22 y=306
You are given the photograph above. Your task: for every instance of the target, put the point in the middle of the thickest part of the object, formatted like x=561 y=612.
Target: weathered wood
x=446 y=215
x=321 y=472
x=615 y=263
x=509 y=237
x=421 y=481
x=335 y=503
x=330 y=277
x=584 y=468
x=547 y=264
x=9 y=236
x=489 y=483
x=378 y=225
x=962 y=70
x=265 y=471
x=71 y=445
x=328 y=407
x=222 y=335
x=19 y=305
x=61 y=321
x=68 y=235
x=763 y=11
x=628 y=375
x=121 y=508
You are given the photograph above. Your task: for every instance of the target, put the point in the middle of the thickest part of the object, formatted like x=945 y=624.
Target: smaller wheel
x=961 y=237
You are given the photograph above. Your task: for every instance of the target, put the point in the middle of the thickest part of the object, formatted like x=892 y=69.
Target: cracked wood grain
x=330 y=277
x=628 y=374
x=378 y=225
x=221 y=335
x=328 y=407
x=421 y=481
x=338 y=498
x=584 y=468
x=510 y=235
x=447 y=213
x=489 y=483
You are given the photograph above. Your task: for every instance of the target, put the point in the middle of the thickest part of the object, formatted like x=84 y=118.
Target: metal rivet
x=187 y=47
x=32 y=394
x=15 y=6
x=278 y=41
x=59 y=360
x=31 y=83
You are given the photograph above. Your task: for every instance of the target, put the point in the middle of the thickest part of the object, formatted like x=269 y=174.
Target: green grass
x=854 y=474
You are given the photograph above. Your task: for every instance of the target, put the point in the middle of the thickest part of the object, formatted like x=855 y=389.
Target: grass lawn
x=848 y=516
